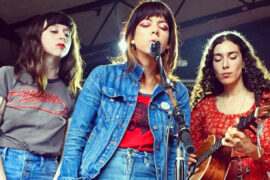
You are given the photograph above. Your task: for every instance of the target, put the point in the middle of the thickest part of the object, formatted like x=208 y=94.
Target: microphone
x=184 y=132
x=186 y=139
x=154 y=49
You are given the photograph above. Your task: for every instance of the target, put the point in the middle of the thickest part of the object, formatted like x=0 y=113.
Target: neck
x=52 y=66
x=235 y=89
x=146 y=61
x=149 y=78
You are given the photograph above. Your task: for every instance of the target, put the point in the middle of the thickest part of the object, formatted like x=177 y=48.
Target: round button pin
x=165 y=106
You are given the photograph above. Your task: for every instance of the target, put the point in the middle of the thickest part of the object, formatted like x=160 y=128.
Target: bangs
x=58 y=18
x=149 y=9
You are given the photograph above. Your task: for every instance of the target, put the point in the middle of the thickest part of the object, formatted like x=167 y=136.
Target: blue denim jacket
x=102 y=114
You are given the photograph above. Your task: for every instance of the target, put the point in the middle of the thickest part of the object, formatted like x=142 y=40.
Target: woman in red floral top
x=229 y=78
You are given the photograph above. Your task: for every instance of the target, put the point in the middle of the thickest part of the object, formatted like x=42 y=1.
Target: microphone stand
x=179 y=117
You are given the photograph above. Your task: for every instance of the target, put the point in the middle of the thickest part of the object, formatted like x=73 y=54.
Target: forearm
x=2 y=171
x=2 y=107
x=71 y=160
x=60 y=163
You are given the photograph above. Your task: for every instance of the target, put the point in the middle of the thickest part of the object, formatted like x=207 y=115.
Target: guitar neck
x=245 y=122
x=209 y=152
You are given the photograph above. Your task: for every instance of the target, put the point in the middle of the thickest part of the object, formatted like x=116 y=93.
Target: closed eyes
x=67 y=33
x=162 y=25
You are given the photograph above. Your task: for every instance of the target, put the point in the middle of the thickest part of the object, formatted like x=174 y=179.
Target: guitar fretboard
x=209 y=152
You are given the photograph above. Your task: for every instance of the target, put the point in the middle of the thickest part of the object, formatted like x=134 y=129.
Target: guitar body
x=215 y=167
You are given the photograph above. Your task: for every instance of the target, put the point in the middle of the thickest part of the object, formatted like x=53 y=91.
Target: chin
x=228 y=82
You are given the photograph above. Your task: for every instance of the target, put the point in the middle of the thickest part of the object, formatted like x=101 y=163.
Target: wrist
x=255 y=152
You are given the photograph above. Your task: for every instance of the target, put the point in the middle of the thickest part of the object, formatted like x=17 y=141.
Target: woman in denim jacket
x=118 y=125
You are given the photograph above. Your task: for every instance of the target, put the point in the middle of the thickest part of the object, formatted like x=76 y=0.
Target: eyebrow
x=160 y=21
x=232 y=52
x=65 y=29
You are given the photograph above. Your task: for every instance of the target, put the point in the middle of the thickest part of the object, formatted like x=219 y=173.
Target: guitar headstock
x=263 y=111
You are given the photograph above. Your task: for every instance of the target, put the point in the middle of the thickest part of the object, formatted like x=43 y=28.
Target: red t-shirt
x=138 y=134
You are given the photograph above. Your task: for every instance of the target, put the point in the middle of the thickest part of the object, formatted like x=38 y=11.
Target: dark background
x=100 y=21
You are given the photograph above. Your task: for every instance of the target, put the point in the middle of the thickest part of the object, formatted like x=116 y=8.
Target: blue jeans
x=129 y=164
x=24 y=165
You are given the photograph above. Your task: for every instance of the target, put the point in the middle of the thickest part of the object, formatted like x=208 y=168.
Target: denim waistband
x=21 y=153
x=134 y=152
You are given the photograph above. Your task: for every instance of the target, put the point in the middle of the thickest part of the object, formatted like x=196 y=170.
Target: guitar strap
x=240 y=172
x=259 y=127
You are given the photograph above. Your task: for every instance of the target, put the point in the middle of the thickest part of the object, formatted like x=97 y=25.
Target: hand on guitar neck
x=241 y=143
x=235 y=137
x=238 y=140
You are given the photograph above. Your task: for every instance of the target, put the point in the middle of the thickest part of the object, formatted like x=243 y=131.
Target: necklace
x=240 y=109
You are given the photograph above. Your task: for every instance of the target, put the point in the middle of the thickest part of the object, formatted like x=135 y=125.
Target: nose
x=62 y=35
x=225 y=63
x=155 y=30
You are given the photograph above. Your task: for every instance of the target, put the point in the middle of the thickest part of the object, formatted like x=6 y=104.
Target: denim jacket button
x=111 y=99
x=135 y=84
x=122 y=124
x=112 y=142
x=152 y=107
x=155 y=128
x=157 y=147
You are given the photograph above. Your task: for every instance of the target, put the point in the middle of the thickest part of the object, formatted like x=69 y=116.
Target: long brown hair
x=31 y=53
x=256 y=77
x=144 y=10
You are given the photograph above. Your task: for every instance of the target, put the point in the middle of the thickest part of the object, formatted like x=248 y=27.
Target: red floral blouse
x=207 y=120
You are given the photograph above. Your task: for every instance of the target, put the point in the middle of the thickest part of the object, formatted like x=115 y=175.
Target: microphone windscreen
x=186 y=139
x=154 y=49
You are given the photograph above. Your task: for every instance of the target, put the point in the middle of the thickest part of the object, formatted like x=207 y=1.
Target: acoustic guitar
x=213 y=159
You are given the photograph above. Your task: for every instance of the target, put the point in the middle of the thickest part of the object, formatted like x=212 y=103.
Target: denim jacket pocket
x=112 y=104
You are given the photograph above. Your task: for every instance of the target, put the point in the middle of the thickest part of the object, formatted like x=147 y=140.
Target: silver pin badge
x=165 y=106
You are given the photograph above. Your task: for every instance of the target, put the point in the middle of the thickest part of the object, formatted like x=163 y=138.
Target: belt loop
x=4 y=153
x=146 y=159
x=129 y=152
x=41 y=161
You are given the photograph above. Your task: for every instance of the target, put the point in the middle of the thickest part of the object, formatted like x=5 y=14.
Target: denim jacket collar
x=137 y=72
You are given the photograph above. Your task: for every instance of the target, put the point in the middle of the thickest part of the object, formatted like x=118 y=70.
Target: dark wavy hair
x=146 y=9
x=256 y=77
x=31 y=53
